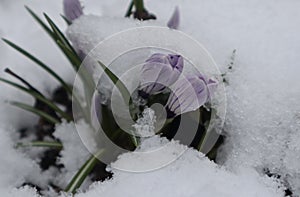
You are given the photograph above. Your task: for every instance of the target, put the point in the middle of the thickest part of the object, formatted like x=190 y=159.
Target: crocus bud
x=174 y=21
x=190 y=94
x=158 y=72
x=72 y=9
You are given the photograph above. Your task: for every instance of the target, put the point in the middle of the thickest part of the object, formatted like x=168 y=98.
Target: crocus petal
x=176 y=61
x=212 y=87
x=174 y=21
x=189 y=94
x=72 y=9
x=160 y=71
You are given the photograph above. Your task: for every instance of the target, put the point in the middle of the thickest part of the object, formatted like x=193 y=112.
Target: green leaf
x=35 y=111
x=119 y=84
x=38 y=97
x=46 y=144
x=43 y=25
x=73 y=58
x=61 y=41
x=125 y=94
x=66 y=20
x=41 y=64
x=83 y=172
x=129 y=10
x=55 y=33
x=60 y=37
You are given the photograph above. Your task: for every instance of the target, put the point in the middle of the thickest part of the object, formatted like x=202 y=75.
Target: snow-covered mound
x=192 y=174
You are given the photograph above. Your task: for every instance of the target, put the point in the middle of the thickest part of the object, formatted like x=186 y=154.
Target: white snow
x=74 y=153
x=263 y=115
x=144 y=126
x=192 y=174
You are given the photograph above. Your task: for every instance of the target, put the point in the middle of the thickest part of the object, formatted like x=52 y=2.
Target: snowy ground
x=263 y=115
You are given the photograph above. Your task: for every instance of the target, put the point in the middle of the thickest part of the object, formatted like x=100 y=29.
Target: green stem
x=83 y=172
x=139 y=5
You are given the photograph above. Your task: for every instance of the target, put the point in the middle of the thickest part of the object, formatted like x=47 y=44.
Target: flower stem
x=139 y=5
x=83 y=172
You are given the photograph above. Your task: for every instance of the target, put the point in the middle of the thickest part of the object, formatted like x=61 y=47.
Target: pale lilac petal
x=189 y=94
x=158 y=58
x=160 y=71
x=174 y=21
x=212 y=87
x=72 y=9
x=176 y=61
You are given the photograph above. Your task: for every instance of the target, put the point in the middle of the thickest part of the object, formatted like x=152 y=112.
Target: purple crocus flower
x=174 y=21
x=158 y=72
x=72 y=9
x=189 y=94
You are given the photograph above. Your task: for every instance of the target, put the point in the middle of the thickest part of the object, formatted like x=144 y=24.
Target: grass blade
x=119 y=84
x=56 y=145
x=83 y=172
x=73 y=58
x=60 y=36
x=7 y=70
x=35 y=111
x=54 y=33
x=125 y=94
x=38 y=97
x=40 y=63
x=43 y=25
x=129 y=10
x=66 y=20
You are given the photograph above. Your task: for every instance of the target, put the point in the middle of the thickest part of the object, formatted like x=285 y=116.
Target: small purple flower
x=189 y=94
x=174 y=21
x=72 y=9
x=158 y=72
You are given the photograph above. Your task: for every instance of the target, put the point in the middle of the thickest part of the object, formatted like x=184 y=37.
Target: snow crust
x=192 y=174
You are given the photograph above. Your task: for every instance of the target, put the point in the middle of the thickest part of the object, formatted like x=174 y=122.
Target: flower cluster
x=188 y=93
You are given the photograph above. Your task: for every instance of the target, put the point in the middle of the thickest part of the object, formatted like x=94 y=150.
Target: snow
x=144 y=126
x=263 y=114
x=192 y=174
x=25 y=191
x=15 y=166
x=68 y=135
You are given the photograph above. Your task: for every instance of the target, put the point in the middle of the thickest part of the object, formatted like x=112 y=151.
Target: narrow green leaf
x=10 y=72
x=38 y=97
x=59 y=34
x=35 y=111
x=83 y=172
x=119 y=84
x=129 y=10
x=56 y=34
x=41 y=64
x=43 y=25
x=46 y=144
x=73 y=58
x=66 y=20
x=124 y=92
